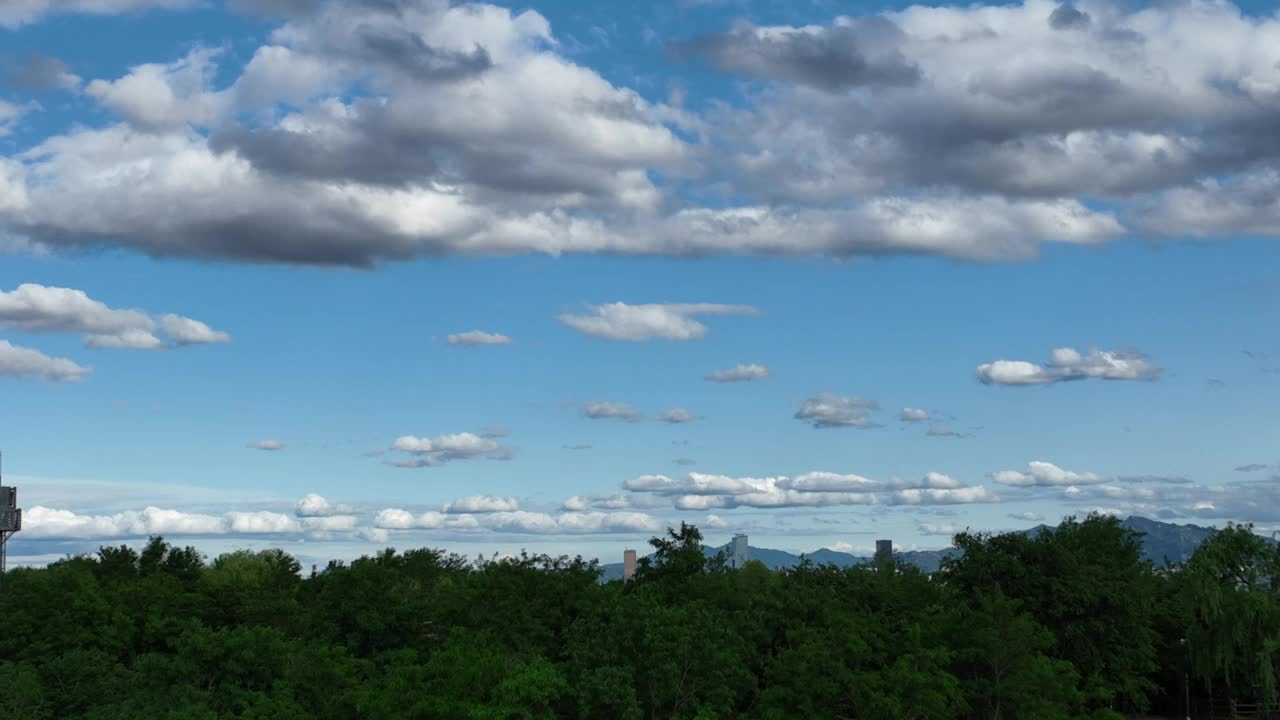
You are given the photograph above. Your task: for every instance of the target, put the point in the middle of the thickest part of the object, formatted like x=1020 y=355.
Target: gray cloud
x=862 y=52
x=942 y=431
x=18 y=361
x=913 y=415
x=1069 y=364
x=676 y=416
x=38 y=72
x=1251 y=467
x=604 y=410
x=685 y=461
x=474 y=338
x=1161 y=479
x=42 y=309
x=826 y=410
x=433 y=452
x=1028 y=516
x=666 y=321
x=1068 y=17
x=739 y=373
x=269 y=445
x=702 y=491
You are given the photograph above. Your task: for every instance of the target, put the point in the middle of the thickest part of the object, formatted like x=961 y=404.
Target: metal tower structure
x=10 y=516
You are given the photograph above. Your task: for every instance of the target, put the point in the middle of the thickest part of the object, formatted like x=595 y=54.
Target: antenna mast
x=10 y=515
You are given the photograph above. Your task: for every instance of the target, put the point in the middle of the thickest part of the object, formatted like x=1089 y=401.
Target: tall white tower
x=738 y=552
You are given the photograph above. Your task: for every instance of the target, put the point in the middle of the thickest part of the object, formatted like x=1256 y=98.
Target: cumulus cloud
x=715 y=522
x=16 y=361
x=826 y=410
x=739 y=373
x=1069 y=364
x=676 y=416
x=602 y=410
x=432 y=129
x=477 y=337
x=269 y=445
x=521 y=522
x=1044 y=474
x=41 y=309
x=482 y=504
x=315 y=506
x=44 y=522
x=671 y=321
x=852 y=53
x=913 y=415
x=703 y=491
x=431 y=452
x=15 y=13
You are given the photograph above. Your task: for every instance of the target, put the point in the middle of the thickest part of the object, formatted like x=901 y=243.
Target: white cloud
x=1044 y=474
x=676 y=416
x=268 y=445
x=715 y=522
x=826 y=410
x=615 y=501
x=164 y=97
x=1070 y=364
x=18 y=361
x=261 y=522
x=185 y=331
x=313 y=506
x=429 y=452
x=14 y=13
x=477 y=337
x=950 y=496
x=702 y=491
x=913 y=415
x=603 y=410
x=739 y=373
x=374 y=535
x=1027 y=516
x=11 y=113
x=44 y=522
x=947 y=530
x=394 y=519
x=39 y=308
x=482 y=504
x=521 y=522
x=619 y=321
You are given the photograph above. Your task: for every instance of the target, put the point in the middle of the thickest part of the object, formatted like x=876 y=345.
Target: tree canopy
x=1065 y=624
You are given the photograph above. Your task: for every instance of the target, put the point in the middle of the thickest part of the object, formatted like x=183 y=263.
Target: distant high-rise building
x=628 y=564
x=738 y=551
x=10 y=520
x=884 y=551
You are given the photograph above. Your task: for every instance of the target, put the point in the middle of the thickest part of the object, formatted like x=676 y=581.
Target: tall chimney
x=628 y=564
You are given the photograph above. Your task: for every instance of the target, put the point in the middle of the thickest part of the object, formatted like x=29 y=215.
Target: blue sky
x=323 y=208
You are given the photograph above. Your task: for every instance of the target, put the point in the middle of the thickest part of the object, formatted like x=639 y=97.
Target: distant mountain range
x=1160 y=541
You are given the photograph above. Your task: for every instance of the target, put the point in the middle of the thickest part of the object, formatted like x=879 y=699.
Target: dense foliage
x=1065 y=624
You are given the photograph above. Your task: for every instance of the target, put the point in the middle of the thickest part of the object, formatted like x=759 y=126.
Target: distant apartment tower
x=628 y=564
x=884 y=551
x=738 y=552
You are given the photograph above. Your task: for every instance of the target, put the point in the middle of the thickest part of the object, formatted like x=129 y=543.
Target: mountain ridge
x=1161 y=542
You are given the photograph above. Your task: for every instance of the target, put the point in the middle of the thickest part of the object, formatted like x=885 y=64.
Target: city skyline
x=334 y=277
